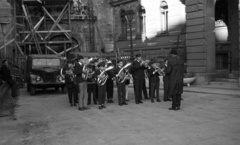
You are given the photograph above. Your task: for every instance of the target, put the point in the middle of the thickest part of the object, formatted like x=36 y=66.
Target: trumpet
x=158 y=70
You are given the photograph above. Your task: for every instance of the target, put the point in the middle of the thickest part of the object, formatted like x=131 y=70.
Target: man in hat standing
x=138 y=75
x=176 y=71
x=82 y=85
x=6 y=76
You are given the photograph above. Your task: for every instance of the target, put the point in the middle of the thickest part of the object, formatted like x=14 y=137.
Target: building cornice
x=115 y=3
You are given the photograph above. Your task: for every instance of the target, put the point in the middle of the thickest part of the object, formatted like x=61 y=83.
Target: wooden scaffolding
x=37 y=21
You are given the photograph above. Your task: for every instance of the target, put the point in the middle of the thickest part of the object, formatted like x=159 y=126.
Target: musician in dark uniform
x=101 y=88
x=137 y=70
x=91 y=86
x=153 y=73
x=176 y=72
x=6 y=76
x=82 y=85
x=166 y=82
x=71 y=85
x=121 y=83
x=109 y=83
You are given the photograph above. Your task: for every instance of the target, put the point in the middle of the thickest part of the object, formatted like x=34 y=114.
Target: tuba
x=121 y=76
x=86 y=71
x=103 y=78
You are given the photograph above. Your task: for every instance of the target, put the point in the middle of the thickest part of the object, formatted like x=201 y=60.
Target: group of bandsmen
x=92 y=79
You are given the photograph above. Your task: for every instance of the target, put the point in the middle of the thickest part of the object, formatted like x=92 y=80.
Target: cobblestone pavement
x=48 y=119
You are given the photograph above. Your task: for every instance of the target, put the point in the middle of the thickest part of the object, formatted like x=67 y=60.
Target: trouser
x=149 y=87
x=109 y=87
x=92 y=90
x=72 y=93
x=13 y=86
x=126 y=96
x=121 y=87
x=154 y=88
x=176 y=100
x=144 y=89
x=101 y=94
x=82 y=97
x=166 y=90
x=138 y=85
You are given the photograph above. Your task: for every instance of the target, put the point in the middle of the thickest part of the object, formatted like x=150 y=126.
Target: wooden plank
x=56 y=22
x=6 y=44
x=69 y=49
x=19 y=48
x=49 y=48
x=53 y=31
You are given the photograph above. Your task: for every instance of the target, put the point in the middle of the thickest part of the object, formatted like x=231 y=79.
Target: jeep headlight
x=36 y=79
x=60 y=79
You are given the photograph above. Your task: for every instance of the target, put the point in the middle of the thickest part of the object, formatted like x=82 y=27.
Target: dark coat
x=78 y=70
x=153 y=77
x=166 y=76
x=176 y=71
x=6 y=75
x=137 y=71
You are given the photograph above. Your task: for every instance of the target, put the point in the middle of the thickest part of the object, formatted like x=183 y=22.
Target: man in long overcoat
x=176 y=72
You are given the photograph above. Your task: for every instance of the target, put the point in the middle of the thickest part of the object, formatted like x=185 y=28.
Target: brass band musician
x=70 y=80
x=154 y=80
x=120 y=81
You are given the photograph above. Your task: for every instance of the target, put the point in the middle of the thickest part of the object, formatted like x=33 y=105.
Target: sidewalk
x=208 y=89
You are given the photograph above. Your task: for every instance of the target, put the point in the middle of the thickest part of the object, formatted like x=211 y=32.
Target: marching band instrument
x=121 y=76
x=101 y=80
x=86 y=71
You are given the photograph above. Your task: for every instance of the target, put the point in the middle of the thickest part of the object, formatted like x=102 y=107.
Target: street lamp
x=129 y=16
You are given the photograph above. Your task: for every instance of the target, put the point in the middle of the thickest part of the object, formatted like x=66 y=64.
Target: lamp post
x=129 y=16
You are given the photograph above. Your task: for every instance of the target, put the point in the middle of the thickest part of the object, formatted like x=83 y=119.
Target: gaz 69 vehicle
x=43 y=71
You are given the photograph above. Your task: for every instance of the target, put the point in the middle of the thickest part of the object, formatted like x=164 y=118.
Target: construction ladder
x=34 y=36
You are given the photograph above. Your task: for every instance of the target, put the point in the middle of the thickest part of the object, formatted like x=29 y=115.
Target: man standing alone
x=176 y=72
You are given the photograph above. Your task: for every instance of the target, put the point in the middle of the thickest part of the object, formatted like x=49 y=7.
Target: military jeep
x=43 y=71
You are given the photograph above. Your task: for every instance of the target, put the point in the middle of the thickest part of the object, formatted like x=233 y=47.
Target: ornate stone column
x=200 y=39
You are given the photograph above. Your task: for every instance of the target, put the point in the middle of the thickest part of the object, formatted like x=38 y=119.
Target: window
x=164 y=16
x=123 y=24
x=142 y=20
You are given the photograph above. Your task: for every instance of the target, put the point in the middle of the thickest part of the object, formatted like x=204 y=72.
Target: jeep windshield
x=46 y=62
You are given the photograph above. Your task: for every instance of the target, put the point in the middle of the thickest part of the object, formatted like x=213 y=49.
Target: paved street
x=48 y=119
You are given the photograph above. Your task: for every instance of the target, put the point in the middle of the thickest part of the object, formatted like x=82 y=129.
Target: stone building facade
x=188 y=25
